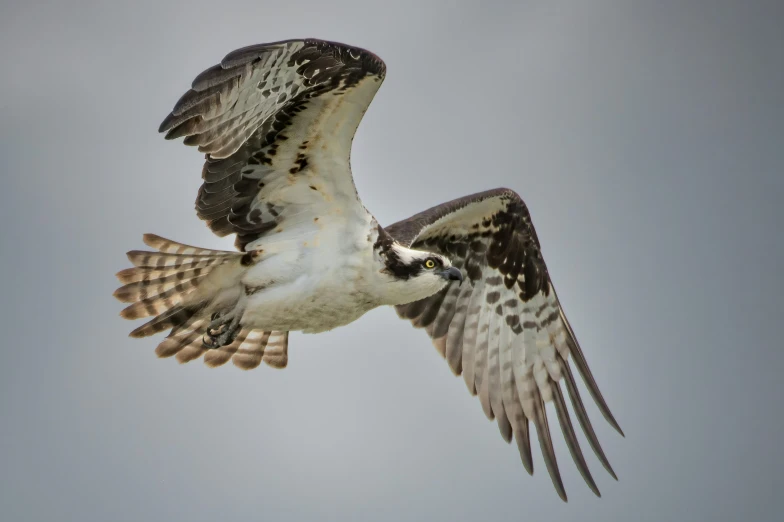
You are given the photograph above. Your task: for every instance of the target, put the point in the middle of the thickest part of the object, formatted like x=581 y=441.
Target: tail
x=181 y=286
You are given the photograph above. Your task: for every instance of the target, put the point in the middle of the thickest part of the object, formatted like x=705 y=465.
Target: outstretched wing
x=276 y=122
x=504 y=328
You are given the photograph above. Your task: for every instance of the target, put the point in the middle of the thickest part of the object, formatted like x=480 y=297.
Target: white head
x=409 y=275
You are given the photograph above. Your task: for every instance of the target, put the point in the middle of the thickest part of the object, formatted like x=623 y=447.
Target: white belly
x=308 y=304
x=314 y=282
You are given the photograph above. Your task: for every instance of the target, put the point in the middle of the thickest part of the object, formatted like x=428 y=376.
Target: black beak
x=452 y=274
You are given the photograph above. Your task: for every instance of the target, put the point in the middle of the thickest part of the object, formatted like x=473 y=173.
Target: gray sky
x=647 y=139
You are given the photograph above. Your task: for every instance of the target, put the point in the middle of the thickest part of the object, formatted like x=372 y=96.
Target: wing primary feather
x=483 y=389
x=481 y=350
x=252 y=52
x=520 y=374
x=523 y=440
x=585 y=372
x=512 y=407
x=582 y=417
x=470 y=337
x=570 y=436
x=481 y=363
x=546 y=443
x=216 y=75
x=494 y=375
x=504 y=426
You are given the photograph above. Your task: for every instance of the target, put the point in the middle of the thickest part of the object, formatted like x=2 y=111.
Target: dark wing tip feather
x=590 y=382
x=524 y=447
x=504 y=426
x=582 y=416
x=213 y=76
x=584 y=370
x=571 y=437
x=248 y=54
x=164 y=126
x=548 y=451
x=615 y=425
x=546 y=443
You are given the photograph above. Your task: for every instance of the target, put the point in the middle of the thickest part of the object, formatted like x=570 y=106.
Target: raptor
x=276 y=123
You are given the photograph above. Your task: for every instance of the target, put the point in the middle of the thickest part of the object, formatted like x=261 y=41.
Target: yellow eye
x=430 y=263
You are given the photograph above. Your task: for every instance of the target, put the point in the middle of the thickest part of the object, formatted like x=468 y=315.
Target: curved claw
x=222 y=330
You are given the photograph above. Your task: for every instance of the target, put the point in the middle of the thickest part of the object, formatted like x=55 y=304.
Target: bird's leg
x=222 y=330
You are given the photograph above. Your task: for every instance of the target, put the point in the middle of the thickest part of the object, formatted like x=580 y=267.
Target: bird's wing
x=503 y=328
x=276 y=122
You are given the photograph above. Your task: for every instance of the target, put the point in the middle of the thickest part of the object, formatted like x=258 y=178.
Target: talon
x=222 y=330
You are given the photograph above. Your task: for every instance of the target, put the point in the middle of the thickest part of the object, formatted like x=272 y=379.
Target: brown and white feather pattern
x=166 y=283
x=276 y=122
x=504 y=328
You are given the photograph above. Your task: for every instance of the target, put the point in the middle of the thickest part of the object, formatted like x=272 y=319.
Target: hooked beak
x=452 y=274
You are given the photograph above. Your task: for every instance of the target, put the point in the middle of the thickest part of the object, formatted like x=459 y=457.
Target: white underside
x=315 y=282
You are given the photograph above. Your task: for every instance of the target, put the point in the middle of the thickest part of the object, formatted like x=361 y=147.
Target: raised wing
x=504 y=328
x=276 y=122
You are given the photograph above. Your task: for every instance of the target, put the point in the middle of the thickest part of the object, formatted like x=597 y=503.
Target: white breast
x=314 y=280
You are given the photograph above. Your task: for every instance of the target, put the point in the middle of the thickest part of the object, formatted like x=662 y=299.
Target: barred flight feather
x=263 y=115
x=506 y=332
x=454 y=336
x=164 y=280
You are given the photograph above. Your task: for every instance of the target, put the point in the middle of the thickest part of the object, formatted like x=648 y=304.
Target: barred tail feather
x=161 y=302
x=187 y=335
x=167 y=246
x=145 y=274
x=250 y=349
x=144 y=259
x=145 y=288
x=163 y=285
x=174 y=317
x=276 y=354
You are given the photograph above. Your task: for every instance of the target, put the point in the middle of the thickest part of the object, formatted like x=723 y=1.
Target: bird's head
x=411 y=274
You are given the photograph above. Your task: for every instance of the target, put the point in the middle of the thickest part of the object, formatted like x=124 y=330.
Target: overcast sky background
x=647 y=138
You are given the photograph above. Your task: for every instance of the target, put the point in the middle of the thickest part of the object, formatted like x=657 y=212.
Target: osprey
x=276 y=122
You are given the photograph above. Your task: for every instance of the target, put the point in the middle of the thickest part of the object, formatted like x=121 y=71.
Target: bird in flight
x=276 y=122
